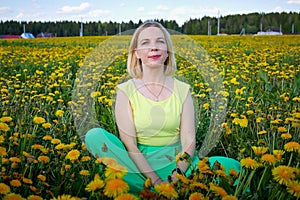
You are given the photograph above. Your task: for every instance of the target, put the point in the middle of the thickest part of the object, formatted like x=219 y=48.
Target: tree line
x=230 y=24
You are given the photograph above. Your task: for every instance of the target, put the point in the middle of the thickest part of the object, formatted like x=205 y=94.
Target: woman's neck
x=153 y=75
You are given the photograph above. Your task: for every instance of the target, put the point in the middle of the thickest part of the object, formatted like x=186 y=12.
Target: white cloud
x=99 y=12
x=71 y=9
x=162 y=7
x=140 y=9
x=20 y=15
x=293 y=2
x=4 y=9
x=278 y=9
x=122 y=4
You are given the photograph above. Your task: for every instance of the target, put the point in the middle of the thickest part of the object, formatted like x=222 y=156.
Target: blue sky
x=125 y=10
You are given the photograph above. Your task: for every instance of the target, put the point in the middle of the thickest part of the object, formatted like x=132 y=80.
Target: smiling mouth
x=154 y=56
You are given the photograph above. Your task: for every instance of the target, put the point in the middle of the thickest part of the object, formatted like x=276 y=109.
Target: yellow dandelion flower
x=85 y=158
x=278 y=154
x=73 y=155
x=126 y=197
x=46 y=125
x=3 y=151
x=234 y=82
x=59 y=113
x=39 y=120
x=4 y=127
x=148 y=183
x=268 y=158
x=259 y=119
x=68 y=167
x=206 y=105
x=34 y=189
x=294 y=188
x=15 y=183
x=221 y=173
x=250 y=112
x=275 y=121
x=115 y=187
x=84 y=172
x=5 y=119
x=262 y=132
x=233 y=114
x=283 y=174
x=166 y=190
x=286 y=136
x=183 y=179
x=34 y=197
x=14 y=159
x=233 y=173
x=203 y=165
x=37 y=146
x=281 y=129
x=95 y=184
x=4 y=189
x=236 y=121
x=196 y=196
x=1 y=139
x=107 y=161
x=249 y=163
x=43 y=159
x=244 y=121
x=65 y=197
x=292 y=146
x=41 y=177
x=27 y=181
x=229 y=197
x=115 y=171
x=217 y=189
x=55 y=141
x=259 y=150
x=47 y=137
x=195 y=185
x=60 y=146
x=13 y=196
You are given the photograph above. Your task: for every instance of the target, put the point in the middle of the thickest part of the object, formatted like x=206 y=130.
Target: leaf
x=263 y=75
x=296 y=85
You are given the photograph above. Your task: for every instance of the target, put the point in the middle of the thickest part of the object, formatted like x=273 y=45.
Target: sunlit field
x=43 y=157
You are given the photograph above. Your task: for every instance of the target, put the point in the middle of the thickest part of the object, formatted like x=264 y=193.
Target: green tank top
x=156 y=123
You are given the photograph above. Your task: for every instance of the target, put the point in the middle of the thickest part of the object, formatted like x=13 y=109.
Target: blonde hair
x=133 y=63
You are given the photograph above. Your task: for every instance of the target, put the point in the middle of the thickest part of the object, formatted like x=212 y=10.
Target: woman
x=154 y=114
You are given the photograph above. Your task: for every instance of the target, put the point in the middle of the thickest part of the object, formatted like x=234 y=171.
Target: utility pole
x=218 y=23
x=208 y=28
x=81 y=29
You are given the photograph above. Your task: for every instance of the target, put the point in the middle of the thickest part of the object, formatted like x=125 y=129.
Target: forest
x=287 y=23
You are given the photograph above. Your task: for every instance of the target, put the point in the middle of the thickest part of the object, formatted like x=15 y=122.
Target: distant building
x=27 y=35
x=45 y=35
x=9 y=36
x=270 y=31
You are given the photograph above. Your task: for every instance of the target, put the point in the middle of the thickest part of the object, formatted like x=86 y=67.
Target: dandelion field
x=43 y=157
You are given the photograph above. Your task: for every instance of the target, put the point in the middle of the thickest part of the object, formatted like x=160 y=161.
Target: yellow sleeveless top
x=156 y=123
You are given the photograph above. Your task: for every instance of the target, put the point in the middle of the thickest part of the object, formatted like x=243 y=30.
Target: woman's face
x=152 y=47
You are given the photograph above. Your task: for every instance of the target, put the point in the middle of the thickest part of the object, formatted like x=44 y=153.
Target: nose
x=154 y=48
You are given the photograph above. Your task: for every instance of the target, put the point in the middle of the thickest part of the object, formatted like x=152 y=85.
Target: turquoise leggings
x=161 y=158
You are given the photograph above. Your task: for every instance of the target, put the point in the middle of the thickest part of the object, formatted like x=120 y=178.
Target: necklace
x=156 y=96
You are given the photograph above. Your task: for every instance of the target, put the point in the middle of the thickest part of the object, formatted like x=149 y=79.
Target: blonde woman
x=154 y=114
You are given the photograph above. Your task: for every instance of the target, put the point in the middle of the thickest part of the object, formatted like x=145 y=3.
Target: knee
x=92 y=134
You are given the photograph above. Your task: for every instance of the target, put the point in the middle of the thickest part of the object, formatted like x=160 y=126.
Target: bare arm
x=127 y=133
x=187 y=131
